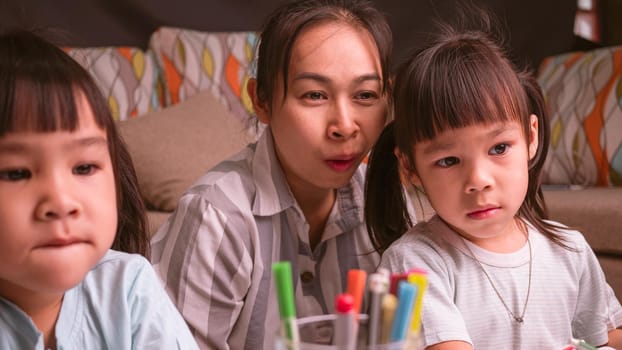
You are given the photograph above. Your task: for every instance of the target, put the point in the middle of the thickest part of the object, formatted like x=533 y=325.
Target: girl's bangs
x=464 y=90
x=41 y=107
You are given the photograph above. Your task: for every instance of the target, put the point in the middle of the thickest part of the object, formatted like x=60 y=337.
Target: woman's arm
x=206 y=269
x=615 y=338
x=451 y=345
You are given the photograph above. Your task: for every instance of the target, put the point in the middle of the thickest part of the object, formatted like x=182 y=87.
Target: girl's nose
x=343 y=125
x=57 y=201
x=478 y=179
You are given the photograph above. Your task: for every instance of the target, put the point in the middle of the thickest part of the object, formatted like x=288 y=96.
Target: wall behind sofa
x=537 y=28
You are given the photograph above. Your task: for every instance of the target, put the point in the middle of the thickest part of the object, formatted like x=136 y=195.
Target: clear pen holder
x=316 y=333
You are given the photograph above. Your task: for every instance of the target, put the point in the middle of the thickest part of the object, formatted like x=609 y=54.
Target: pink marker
x=345 y=324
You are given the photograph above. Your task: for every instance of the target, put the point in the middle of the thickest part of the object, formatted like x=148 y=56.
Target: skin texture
x=58 y=212
x=333 y=112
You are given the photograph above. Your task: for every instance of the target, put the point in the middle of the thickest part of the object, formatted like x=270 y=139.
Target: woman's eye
x=447 y=162
x=500 y=149
x=314 y=95
x=84 y=169
x=14 y=175
x=366 y=95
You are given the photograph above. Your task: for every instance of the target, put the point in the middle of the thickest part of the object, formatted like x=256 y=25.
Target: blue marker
x=406 y=293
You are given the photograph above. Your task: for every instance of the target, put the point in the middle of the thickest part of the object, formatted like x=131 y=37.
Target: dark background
x=536 y=28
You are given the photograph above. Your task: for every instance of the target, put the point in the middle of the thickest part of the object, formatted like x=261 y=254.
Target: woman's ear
x=261 y=108
x=407 y=173
x=533 y=136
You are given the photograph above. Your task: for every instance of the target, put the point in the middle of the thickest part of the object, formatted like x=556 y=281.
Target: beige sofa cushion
x=172 y=147
x=595 y=211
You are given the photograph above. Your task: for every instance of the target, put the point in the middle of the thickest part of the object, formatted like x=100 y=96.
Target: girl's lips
x=57 y=243
x=483 y=214
x=340 y=164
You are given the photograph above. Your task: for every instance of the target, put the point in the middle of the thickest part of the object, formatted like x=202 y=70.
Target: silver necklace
x=518 y=319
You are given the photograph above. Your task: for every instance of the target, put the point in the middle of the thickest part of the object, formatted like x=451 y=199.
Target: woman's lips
x=483 y=213
x=341 y=164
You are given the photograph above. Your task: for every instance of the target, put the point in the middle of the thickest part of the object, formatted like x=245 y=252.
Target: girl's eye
x=14 y=175
x=499 y=149
x=447 y=162
x=84 y=169
x=314 y=95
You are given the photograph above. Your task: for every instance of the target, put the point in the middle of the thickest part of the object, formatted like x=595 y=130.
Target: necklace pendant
x=519 y=320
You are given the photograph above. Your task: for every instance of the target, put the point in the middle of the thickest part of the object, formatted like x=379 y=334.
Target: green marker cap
x=282 y=271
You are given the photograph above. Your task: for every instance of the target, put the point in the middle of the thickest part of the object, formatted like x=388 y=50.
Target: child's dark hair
x=285 y=24
x=461 y=78
x=39 y=89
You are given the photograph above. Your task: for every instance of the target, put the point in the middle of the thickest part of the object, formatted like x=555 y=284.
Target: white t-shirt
x=569 y=296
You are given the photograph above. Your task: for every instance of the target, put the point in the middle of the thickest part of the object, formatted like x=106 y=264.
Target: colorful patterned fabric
x=128 y=77
x=584 y=94
x=192 y=61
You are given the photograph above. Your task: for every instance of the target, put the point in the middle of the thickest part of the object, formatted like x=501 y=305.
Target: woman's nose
x=343 y=125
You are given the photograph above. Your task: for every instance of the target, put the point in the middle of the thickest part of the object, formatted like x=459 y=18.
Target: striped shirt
x=216 y=251
x=568 y=297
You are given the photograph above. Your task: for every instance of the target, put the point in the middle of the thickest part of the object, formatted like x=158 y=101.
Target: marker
x=581 y=344
x=396 y=278
x=378 y=286
x=345 y=324
x=356 y=287
x=406 y=294
x=419 y=278
x=282 y=271
x=389 y=304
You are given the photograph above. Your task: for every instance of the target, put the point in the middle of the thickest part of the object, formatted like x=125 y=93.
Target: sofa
x=182 y=106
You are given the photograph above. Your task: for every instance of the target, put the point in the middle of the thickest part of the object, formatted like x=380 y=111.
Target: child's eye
x=499 y=149
x=15 y=175
x=84 y=169
x=447 y=162
x=314 y=95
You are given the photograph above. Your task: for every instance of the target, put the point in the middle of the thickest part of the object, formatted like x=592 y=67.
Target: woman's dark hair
x=284 y=25
x=461 y=78
x=40 y=86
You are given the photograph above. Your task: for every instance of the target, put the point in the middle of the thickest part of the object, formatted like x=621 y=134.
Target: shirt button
x=306 y=277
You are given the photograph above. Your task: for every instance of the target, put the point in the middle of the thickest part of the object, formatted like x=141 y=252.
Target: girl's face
x=57 y=207
x=476 y=179
x=334 y=109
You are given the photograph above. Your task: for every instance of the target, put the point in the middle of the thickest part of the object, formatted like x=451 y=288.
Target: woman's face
x=334 y=109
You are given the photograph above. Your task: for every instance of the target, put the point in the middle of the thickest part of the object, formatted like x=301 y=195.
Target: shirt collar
x=272 y=191
x=273 y=194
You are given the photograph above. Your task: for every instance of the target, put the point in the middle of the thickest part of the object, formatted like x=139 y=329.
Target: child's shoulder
x=117 y=265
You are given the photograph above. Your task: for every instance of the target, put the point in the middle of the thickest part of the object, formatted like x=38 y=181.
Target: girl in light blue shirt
x=68 y=194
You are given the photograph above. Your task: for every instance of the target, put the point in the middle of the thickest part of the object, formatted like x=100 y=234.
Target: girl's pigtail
x=537 y=106
x=534 y=208
x=386 y=214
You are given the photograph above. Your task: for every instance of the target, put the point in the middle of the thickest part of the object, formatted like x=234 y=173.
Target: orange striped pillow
x=584 y=93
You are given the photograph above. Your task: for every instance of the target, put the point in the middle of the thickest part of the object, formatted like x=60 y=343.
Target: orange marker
x=356 y=287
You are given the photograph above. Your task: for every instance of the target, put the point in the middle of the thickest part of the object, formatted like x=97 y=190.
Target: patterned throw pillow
x=584 y=94
x=194 y=61
x=128 y=78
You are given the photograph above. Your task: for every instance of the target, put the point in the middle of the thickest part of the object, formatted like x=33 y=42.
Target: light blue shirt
x=120 y=304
